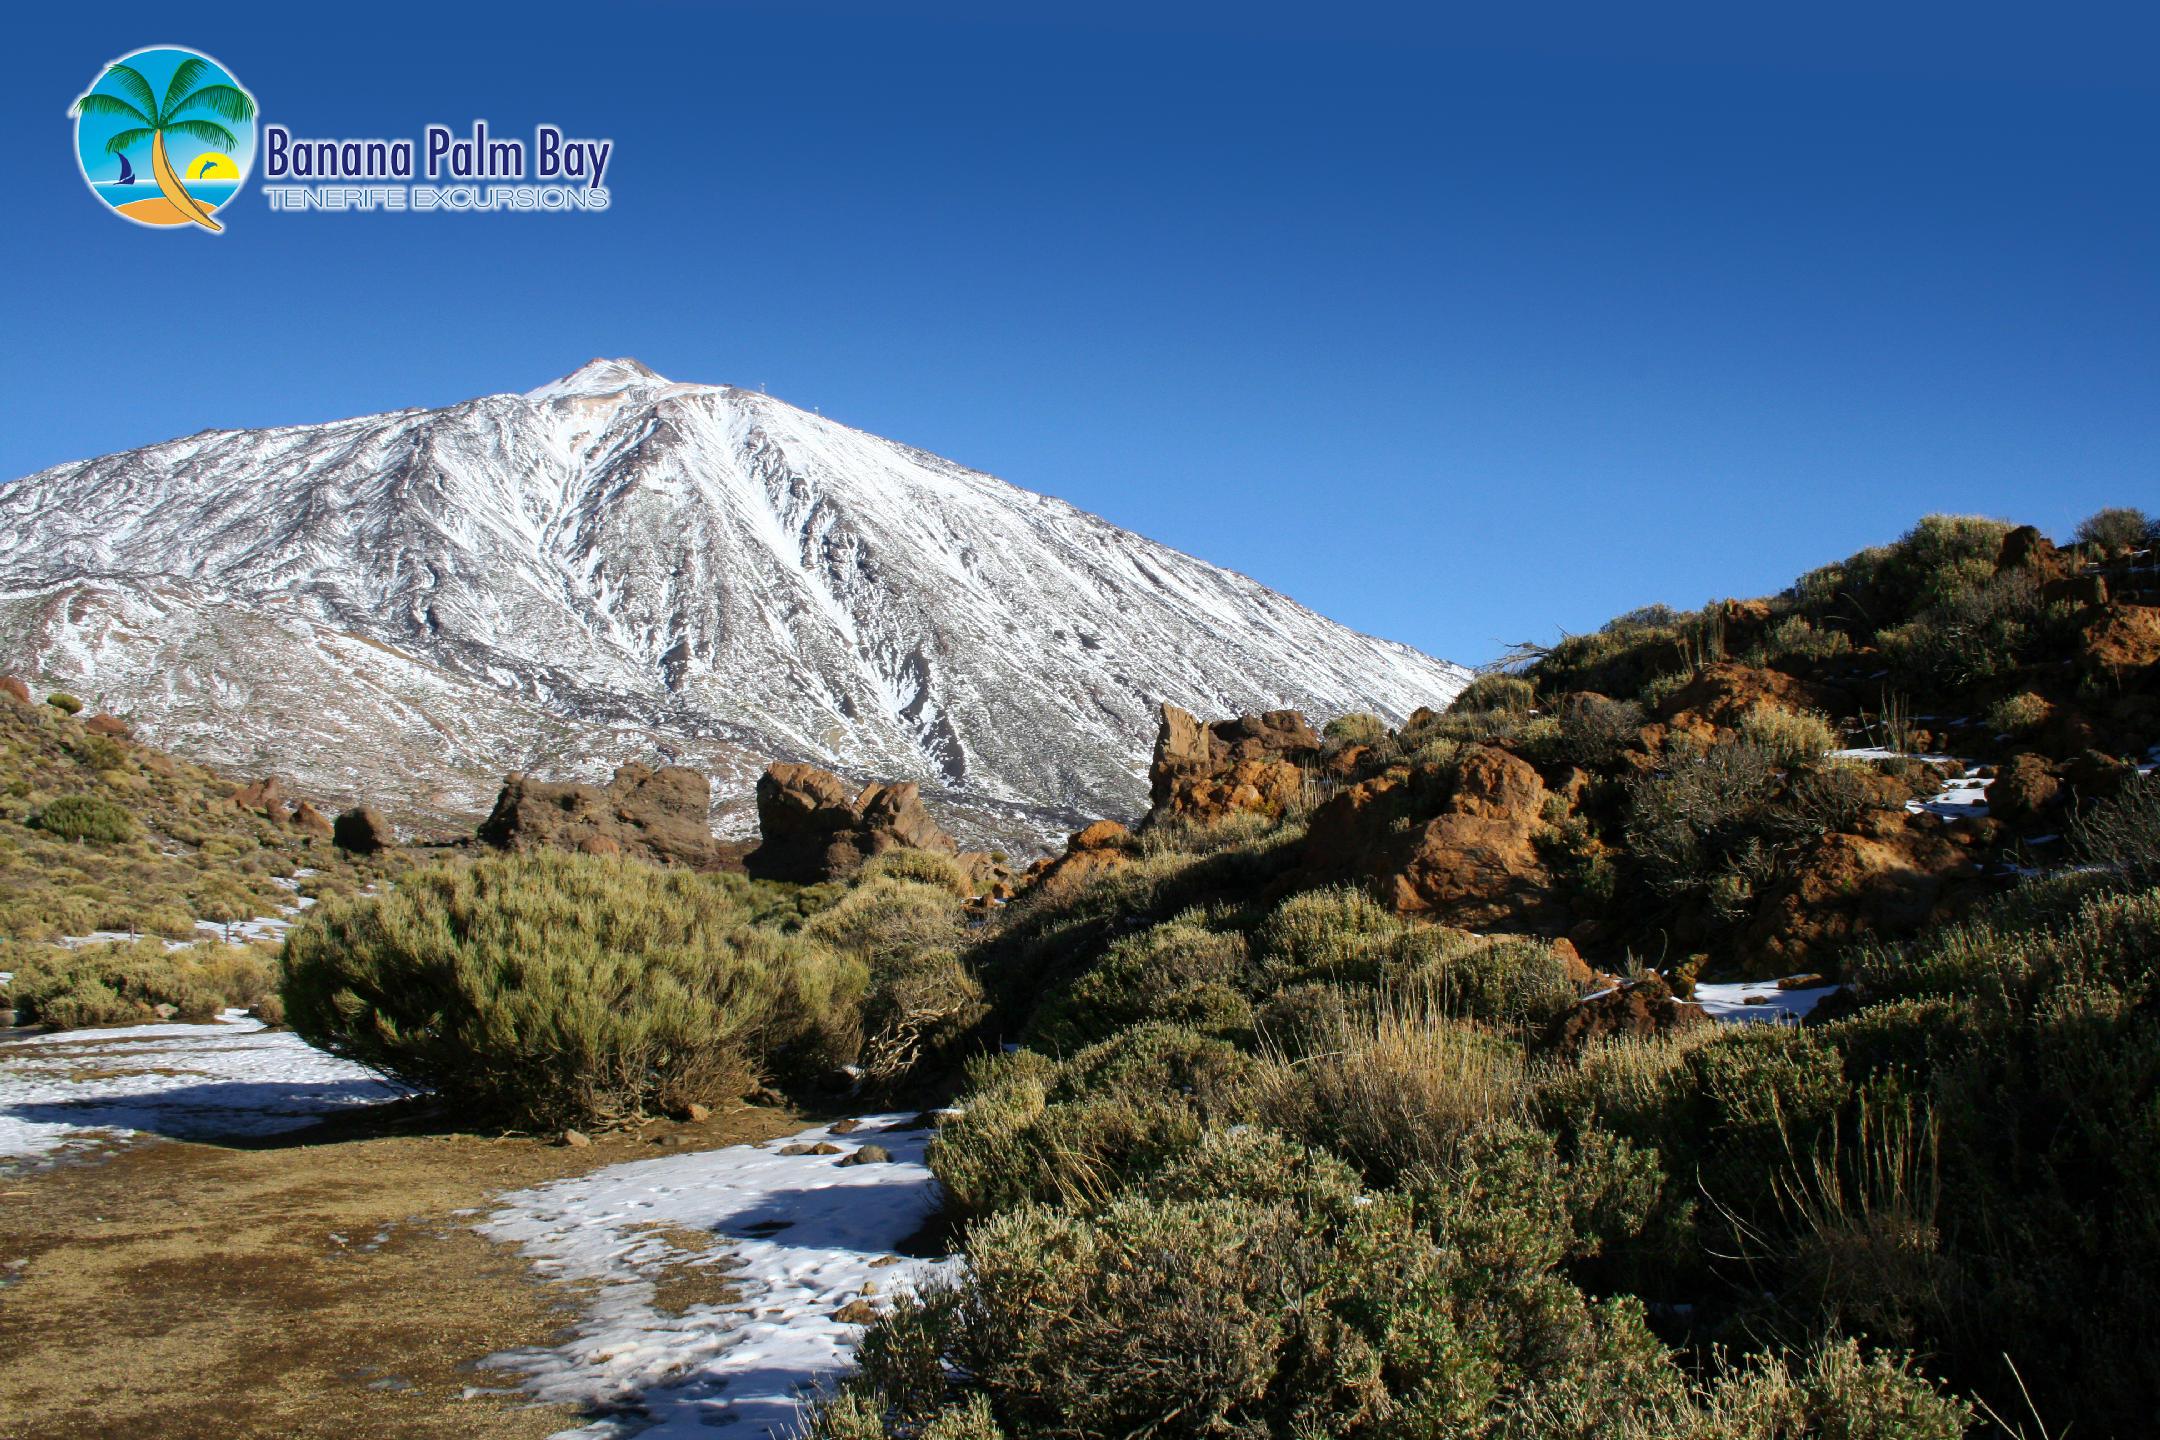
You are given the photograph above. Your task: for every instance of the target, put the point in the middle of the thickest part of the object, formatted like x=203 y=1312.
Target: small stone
x=696 y=1114
x=845 y=1127
x=857 y=1312
x=1802 y=982
x=884 y=1260
x=576 y=1139
x=869 y=1155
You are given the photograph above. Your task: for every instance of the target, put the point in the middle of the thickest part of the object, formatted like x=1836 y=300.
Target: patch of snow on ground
x=1964 y=798
x=233 y=1077
x=1732 y=1001
x=798 y=1236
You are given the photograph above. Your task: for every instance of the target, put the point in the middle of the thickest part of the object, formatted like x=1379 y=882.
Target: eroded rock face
x=1453 y=844
x=658 y=816
x=1724 y=693
x=111 y=725
x=2122 y=638
x=307 y=819
x=1909 y=871
x=813 y=830
x=1205 y=772
x=2024 y=787
x=264 y=797
x=363 y=831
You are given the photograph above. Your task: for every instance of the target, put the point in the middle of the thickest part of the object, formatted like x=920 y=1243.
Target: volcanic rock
x=658 y=816
x=14 y=689
x=1642 y=1009
x=1205 y=772
x=362 y=831
x=812 y=830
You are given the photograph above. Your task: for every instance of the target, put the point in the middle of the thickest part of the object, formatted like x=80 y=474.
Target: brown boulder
x=658 y=816
x=265 y=797
x=1456 y=844
x=111 y=725
x=1102 y=835
x=1640 y=1010
x=306 y=817
x=2025 y=548
x=14 y=689
x=1724 y=693
x=811 y=830
x=2120 y=638
x=1905 y=874
x=1250 y=763
x=362 y=831
x=2023 y=788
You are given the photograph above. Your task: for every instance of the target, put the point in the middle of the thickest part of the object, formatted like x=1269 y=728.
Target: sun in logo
x=182 y=114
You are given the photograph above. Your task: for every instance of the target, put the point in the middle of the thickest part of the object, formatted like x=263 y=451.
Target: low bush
x=923 y=867
x=65 y=703
x=1789 y=737
x=553 y=989
x=885 y=919
x=2122 y=832
x=1182 y=971
x=2018 y=714
x=125 y=984
x=2116 y=530
x=86 y=817
x=1497 y=691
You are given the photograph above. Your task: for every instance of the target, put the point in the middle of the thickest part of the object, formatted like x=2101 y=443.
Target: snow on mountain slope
x=696 y=569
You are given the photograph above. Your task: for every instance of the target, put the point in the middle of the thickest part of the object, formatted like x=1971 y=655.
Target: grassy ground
x=185 y=1290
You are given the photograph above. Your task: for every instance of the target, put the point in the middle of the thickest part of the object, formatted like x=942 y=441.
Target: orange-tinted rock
x=1102 y=835
x=1723 y=694
x=2122 y=638
x=811 y=829
x=265 y=797
x=1208 y=771
x=111 y=725
x=2025 y=548
x=1845 y=888
x=14 y=689
x=1455 y=845
x=309 y=820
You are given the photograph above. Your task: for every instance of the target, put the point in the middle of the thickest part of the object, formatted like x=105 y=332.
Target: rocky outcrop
x=1724 y=694
x=110 y=725
x=1095 y=850
x=813 y=830
x=2024 y=787
x=265 y=797
x=1908 y=871
x=1204 y=772
x=363 y=831
x=1454 y=843
x=1640 y=1009
x=14 y=689
x=658 y=816
x=2121 y=639
x=310 y=821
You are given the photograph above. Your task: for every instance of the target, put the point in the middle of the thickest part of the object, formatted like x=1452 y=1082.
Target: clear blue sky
x=1461 y=329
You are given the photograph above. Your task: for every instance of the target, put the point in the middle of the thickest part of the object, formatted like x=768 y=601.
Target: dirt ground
x=318 y=1286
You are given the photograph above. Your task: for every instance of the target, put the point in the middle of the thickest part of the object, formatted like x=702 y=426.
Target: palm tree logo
x=182 y=106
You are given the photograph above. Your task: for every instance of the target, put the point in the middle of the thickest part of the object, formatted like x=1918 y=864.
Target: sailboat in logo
x=127 y=172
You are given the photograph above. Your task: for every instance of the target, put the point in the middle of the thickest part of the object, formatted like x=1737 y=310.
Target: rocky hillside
x=615 y=566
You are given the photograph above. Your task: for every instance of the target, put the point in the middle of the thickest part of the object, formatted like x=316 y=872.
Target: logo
x=166 y=137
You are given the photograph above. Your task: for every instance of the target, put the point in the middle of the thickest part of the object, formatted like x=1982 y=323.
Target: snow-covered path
x=799 y=1236
x=233 y=1077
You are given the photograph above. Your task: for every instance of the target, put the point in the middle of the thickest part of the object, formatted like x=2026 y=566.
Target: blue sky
x=1462 y=328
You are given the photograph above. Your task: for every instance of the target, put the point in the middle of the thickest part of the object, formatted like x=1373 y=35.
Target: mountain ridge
x=702 y=563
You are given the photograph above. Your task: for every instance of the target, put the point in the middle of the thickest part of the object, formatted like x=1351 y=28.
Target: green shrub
x=1398 y=1092
x=920 y=1010
x=65 y=703
x=1503 y=980
x=1337 y=933
x=1496 y=691
x=2018 y=714
x=1787 y=736
x=553 y=989
x=1180 y=971
x=124 y=984
x=1355 y=729
x=1078 y=1130
x=2116 y=529
x=1792 y=638
x=1836 y=1394
x=1969 y=636
x=1701 y=820
x=923 y=867
x=885 y=919
x=86 y=817
x=2122 y=832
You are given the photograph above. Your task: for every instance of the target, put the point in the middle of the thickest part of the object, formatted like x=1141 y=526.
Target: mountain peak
x=598 y=377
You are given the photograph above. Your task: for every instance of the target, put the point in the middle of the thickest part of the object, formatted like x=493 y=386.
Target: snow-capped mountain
x=407 y=605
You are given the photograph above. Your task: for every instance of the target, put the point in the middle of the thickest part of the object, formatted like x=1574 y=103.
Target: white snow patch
x=799 y=1236
x=232 y=1077
x=1758 y=1000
